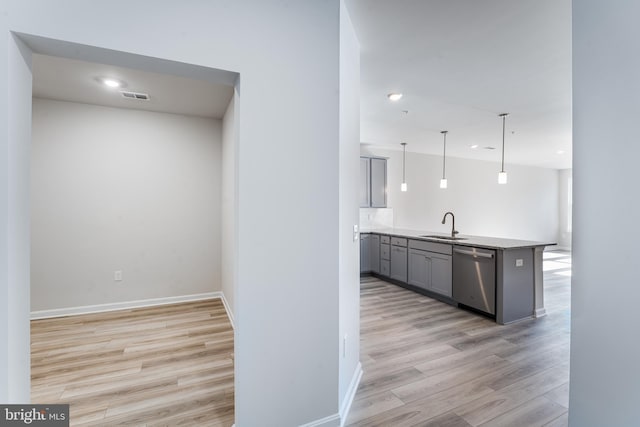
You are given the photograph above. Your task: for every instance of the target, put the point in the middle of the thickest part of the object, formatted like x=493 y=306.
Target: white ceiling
x=72 y=80
x=459 y=63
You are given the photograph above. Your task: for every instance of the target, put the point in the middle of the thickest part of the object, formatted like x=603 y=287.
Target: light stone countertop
x=477 y=241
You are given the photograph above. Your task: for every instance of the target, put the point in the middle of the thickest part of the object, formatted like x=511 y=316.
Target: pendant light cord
x=504 y=117
x=404 y=155
x=444 y=153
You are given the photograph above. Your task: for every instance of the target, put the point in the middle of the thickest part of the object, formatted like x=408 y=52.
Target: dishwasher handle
x=473 y=254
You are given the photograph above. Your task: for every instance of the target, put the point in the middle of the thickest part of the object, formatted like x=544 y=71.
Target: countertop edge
x=474 y=241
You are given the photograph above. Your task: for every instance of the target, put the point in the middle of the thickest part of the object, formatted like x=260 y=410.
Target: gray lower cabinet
x=385 y=256
x=398 y=263
x=374 y=253
x=429 y=270
x=441 y=274
x=365 y=253
x=419 y=273
x=369 y=253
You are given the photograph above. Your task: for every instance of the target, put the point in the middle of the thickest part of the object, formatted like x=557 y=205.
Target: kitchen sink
x=444 y=237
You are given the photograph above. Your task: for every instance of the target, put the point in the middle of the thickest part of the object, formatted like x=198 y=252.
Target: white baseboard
x=560 y=248
x=340 y=418
x=351 y=394
x=99 y=308
x=227 y=308
x=540 y=312
x=330 y=421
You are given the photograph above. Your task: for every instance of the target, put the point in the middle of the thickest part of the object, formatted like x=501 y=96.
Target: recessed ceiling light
x=560 y=152
x=110 y=82
x=394 y=96
x=489 y=148
x=474 y=146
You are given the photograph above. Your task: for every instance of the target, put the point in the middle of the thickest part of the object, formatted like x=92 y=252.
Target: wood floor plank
x=533 y=413
x=430 y=364
x=559 y=395
x=166 y=365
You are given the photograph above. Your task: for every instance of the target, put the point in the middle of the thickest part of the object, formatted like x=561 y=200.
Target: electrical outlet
x=519 y=262
x=355 y=232
x=117 y=275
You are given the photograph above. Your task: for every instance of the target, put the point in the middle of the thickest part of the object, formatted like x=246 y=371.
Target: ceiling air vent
x=135 y=95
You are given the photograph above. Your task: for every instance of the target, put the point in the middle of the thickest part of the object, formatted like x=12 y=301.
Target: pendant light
x=403 y=186
x=443 y=181
x=502 y=175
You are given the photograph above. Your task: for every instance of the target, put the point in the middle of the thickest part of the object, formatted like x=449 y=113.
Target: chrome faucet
x=453 y=223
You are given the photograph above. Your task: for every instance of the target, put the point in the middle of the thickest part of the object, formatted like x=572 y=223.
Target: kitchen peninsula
x=501 y=278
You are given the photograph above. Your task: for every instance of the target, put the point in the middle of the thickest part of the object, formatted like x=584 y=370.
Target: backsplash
x=376 y=218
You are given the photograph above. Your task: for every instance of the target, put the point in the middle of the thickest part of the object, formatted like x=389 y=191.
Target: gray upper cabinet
x=378 y=183
x=373 y=182
x=365 y=182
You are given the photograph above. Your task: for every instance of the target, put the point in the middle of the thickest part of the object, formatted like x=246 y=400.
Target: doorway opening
x=129 y=202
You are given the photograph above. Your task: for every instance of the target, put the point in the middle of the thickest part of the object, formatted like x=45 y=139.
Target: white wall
x=525 y=208
x=287 y=55
x=565 y=208
x=119 y=189
x=605 y=375
x=349 y=255
x=229 y=204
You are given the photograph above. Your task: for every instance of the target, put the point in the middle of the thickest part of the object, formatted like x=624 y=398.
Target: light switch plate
x=519 y=262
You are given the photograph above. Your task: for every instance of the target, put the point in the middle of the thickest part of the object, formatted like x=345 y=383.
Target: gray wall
x=121 y=189
x=605 y=350
x=287 y=296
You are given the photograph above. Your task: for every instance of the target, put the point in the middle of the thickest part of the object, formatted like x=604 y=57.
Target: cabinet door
x=365 y=183
x=378 y=183
x=419 y=268
x=441 y=274
x=384 y=267
x=398 y=265
x=374 y=253
x=364 y=253
x=385 y=251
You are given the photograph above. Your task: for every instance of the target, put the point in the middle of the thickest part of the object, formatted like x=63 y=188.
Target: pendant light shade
x=403 y=186
x=443 y=181
x=502 y=175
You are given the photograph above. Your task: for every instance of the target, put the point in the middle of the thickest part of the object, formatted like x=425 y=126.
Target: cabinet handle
x=474 y=254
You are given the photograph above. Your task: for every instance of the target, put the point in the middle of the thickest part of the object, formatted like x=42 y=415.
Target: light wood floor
x=430 y=364
x=162 y=366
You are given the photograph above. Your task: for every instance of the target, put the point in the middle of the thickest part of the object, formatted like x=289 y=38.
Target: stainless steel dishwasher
x=474 y=278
